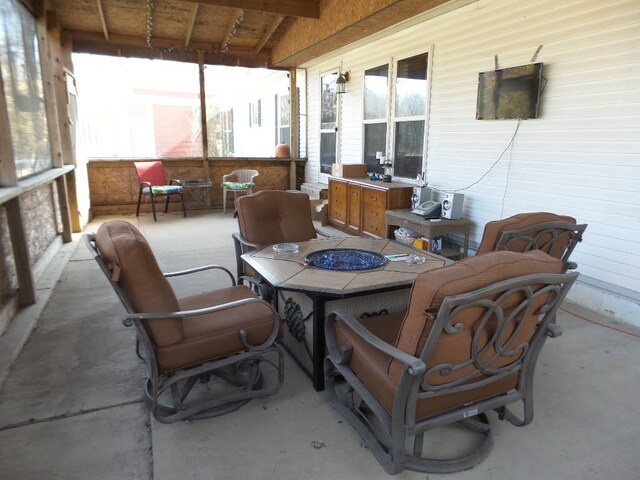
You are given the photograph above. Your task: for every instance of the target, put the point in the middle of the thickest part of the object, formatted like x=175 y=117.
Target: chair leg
x=184 y=209
x=224 y=201
x=166 y=205
x=139 y=200
x=153 y=206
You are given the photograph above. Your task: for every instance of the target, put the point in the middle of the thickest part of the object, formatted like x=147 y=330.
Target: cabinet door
x=374 y=205
x=337 y=203
x=353 y=220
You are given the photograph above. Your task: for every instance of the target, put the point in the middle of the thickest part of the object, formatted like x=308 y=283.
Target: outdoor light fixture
x=341 y=82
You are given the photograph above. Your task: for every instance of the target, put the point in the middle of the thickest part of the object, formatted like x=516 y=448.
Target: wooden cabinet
x=358 y=205
x=338 y=201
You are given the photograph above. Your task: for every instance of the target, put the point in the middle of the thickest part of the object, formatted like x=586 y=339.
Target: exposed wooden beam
x=292 y=8
x=236 y=19
x=192 y=21
x=129 y=46
x=102 y=21
x=267 y=34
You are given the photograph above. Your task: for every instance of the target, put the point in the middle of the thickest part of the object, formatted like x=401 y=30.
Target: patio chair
x=153 y=182
x=238 y=181
x=225 y=335
x=554 y=234
x=467 y=344
x=269 y=217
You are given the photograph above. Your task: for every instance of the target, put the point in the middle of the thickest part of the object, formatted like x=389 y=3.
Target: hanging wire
x=509 y=145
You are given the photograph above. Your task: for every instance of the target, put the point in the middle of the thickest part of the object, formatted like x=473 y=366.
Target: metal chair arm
x=178 y=182
x=415 y=366
x=246 y=242
x=202 y=269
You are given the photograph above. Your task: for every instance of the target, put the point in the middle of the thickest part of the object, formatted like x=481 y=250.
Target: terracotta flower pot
x=283 y=150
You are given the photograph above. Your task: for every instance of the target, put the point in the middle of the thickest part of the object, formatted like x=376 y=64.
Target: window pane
x=20 y=63
x=375 y=140
x=376 y=92
x=327 y=151
x=411 y=86
x=408 y=149
x=329 y=99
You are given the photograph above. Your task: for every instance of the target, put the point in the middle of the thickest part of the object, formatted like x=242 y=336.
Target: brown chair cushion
x=381 y=374
x=216 y=335
x=371 y=366
x=135 y=269
x=273 y=216
x=493 y=230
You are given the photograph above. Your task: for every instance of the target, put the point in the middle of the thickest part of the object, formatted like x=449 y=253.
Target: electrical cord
x=509 y=145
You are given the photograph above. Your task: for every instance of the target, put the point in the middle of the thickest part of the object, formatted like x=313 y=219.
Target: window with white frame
x=328 y=121
x=376 y=101
x=403 y=141
x=283 y=123
x=409 y=115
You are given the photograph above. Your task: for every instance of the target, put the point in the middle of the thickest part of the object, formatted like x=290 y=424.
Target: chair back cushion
x=493 y=230
x=136 y=272
x=152 y=172
x=430 y=288
x=273 y=216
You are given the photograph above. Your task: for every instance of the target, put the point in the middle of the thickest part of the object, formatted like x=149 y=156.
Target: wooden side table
x=427 y=228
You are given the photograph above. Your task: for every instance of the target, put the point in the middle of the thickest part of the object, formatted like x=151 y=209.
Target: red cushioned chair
x=153 y=182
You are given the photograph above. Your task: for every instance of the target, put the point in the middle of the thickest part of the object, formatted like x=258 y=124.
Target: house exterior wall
x=580 y=157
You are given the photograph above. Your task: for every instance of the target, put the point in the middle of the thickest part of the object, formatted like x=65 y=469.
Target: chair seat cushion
x=216 y=335
x=236 y=185
x=163 y=189
x=370 y=365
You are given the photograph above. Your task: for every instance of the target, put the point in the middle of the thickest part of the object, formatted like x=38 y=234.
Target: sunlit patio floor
x=71 y=404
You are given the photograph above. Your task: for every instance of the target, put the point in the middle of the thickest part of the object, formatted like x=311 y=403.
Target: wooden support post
x=26 y=286
x=294 y=126
x=205 y=132
x=63 y=201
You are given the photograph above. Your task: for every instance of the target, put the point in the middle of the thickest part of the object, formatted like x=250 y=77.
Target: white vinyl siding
x=580 y=158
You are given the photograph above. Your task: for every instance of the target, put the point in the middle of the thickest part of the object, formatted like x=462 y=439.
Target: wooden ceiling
x=252 y=33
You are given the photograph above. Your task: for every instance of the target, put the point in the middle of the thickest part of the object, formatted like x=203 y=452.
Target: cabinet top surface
x=367 y=182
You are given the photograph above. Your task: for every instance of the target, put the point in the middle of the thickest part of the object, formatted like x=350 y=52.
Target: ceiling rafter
x=102 y=20
x=192 y=21
x=231 y=29
x=267 y=34
x=292 y=8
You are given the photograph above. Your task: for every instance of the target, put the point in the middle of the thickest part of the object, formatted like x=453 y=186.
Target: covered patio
x=71 y=406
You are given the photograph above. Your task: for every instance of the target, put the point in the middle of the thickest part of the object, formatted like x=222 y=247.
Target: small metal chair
x=153 y=182
x=238 y=181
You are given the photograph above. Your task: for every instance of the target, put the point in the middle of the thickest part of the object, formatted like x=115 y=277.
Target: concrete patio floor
x=71 y=405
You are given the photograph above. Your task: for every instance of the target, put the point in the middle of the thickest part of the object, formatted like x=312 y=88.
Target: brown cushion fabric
x=382 y=375
x=273 y=216
x=135 y=269
x=430 y=288
x=215 y=335
x=493 y=230
x=371 y=365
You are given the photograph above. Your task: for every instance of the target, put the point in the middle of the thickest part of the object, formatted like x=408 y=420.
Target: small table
x=305 y=293
x=428 y=228
x=198 y=190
